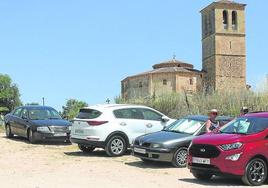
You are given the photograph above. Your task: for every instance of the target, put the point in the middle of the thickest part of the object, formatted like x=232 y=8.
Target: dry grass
x=228 y=103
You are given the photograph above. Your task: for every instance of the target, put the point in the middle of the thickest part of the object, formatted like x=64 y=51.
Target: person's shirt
x=212 y=125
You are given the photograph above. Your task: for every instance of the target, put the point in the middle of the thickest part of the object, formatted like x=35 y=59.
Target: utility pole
x=43 y=101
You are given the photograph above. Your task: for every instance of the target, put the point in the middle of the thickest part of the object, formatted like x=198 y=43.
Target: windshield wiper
x=175 y=131
x=53 y=118
x=234 y=133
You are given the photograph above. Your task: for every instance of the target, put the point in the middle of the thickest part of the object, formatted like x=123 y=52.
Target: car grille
x=205 y=151
x=59 y=129
x=145 y=144
x=136 y=142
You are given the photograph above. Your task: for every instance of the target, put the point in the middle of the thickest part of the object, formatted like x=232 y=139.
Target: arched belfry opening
x=225 y=19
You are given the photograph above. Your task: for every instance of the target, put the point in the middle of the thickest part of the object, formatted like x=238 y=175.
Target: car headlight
x=227 y=147
x=43 y=129
x=234 y=157
x=156 y=145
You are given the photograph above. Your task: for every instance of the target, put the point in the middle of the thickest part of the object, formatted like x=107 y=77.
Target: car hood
x=164 y=137
x=51 y=122
x=218 y=139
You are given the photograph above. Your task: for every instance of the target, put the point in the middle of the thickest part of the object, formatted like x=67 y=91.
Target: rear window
x=88 y=114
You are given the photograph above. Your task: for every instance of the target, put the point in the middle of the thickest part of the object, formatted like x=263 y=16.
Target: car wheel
x=116 y=146
x=9 y=132
x=256 y=172
x=31 y=137
x=180 y=158
x=202 y=176
x=86 y=149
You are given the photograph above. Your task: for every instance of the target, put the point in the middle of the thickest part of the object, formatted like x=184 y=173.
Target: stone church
x=223 y=58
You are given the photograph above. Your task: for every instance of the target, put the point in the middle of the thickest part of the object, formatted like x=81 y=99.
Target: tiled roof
x=169 y=70
x=227 y=2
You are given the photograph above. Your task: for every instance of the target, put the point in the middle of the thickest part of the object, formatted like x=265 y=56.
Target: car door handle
x=149 y=125
x=123 y=124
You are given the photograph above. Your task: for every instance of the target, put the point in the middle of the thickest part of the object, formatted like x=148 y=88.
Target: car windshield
x=188 y=126
x=245 y=125
x=42 y=114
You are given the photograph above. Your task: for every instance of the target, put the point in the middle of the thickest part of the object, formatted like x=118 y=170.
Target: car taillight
x=96 y=123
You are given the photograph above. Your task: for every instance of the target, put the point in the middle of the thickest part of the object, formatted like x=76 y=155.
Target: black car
x=171 y=144
x=37 y=123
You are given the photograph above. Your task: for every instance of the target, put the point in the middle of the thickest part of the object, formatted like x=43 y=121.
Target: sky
x=82 y=49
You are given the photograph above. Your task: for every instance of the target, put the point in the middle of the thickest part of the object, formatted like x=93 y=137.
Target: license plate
x=79 y=131
x=139 y=150
x=60 y=134
x=201 y=160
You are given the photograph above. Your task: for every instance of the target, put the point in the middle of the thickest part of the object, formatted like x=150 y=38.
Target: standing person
x=212 y=124
x=244 y=110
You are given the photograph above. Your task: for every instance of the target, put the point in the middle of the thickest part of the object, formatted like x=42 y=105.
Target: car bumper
x=99 y=144
x=163 y=155
x=51 y=137
x=221 y=166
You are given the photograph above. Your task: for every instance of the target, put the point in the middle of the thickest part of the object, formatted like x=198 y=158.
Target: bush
x=228 y=103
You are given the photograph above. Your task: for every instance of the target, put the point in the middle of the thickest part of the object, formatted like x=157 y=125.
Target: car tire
x=32 y=137
x=9 y=132
x=86 y=149
x=255 y=173
x=116 y=146
x=180 y=158
x=202 y=176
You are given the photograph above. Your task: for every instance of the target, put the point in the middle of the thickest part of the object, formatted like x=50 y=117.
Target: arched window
x=164 y=82
x=234 y=20
x=225 y=19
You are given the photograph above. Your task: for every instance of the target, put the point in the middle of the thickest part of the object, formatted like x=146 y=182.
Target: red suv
x=240 y=148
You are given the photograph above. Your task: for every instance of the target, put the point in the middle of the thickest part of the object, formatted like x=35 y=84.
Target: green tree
x=72 y=107
x=9 y=93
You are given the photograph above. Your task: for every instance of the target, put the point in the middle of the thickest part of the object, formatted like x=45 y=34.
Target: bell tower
x=224 y=46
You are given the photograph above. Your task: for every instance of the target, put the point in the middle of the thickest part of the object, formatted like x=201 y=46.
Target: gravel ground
x=63 y=166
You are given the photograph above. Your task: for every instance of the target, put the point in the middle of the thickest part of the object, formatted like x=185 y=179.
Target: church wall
x=136 y=87
x=230 y=72
x=157 y=83
x=188 y=82
x=230 y=45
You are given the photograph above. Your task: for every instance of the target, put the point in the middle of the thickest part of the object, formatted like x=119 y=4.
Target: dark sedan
x=37 y=123
x=171 y=144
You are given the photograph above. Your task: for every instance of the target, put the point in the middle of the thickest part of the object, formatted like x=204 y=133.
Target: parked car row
x=171 y=144
x=239 y=148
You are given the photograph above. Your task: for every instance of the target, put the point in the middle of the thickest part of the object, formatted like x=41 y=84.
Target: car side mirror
x=165 y=119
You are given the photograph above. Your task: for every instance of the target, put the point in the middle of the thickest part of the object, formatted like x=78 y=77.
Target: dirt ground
x=53 y=165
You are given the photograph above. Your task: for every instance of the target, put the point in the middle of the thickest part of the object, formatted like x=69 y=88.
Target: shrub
x=228 y=103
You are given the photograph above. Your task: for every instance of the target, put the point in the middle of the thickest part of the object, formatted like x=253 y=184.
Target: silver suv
x=114 y=127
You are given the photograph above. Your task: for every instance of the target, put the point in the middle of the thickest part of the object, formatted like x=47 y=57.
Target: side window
x=24 y=114
x=129 y=113
x=17 y=112
x=151 y=115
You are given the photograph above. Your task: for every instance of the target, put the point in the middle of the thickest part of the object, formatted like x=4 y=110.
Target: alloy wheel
x=117 y=146
x=181 y=157
x=257 y=172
